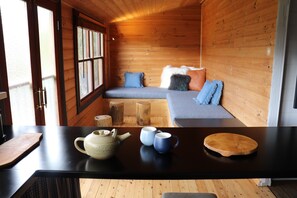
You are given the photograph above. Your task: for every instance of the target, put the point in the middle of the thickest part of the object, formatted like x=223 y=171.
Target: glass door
x=48 y=65
x=31 y=62
x=18 y=61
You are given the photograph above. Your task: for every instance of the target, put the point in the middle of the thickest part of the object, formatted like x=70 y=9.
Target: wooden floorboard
x=110 y=188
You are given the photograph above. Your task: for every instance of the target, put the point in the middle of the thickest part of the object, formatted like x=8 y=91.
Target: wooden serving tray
x=228 y=144
x=14 y=149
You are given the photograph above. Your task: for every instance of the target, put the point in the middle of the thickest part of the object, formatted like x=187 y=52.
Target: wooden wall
x=86 y=117
x=237 y=47
x=238 y=40
x=147 y=44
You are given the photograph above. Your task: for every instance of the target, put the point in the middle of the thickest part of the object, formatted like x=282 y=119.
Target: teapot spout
x=124 y=136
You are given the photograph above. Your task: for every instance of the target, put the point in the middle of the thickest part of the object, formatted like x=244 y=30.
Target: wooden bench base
x=130 y=121
x=143 y=113
x=159 y=110
x=116 y=110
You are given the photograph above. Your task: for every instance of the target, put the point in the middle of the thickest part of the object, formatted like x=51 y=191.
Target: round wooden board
x=228 y=144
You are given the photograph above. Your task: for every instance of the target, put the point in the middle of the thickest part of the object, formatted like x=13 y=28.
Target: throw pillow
x=215 y=100
x=197 y=79
x=179 y=82
x=206 y=93
x=191 y=67
x=167 y=72
x=133 y=79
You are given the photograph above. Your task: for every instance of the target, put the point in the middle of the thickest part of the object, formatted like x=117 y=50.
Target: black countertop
x=56 y=156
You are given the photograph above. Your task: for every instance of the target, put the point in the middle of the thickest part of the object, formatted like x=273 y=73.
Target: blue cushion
x=206 y=93
x=134 y=79
x=215 y=100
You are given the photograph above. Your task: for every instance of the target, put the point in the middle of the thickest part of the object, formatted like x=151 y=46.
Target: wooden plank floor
x=111 y=188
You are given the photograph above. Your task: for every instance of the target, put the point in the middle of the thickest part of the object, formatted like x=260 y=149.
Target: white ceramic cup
x=147 y=135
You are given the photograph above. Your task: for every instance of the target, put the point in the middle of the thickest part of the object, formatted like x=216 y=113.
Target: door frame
x=55 y=6
x=4 y=104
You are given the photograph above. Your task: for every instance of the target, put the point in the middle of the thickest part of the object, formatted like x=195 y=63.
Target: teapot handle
x=77 y=147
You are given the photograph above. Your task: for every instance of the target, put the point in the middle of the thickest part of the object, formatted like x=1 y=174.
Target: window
x=89 y=58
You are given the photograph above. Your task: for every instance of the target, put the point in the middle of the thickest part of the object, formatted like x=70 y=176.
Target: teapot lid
x=102 y=133
x=105 y=136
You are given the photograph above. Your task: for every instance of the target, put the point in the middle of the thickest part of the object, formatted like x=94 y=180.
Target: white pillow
x=191 y=68
x=168 y=71
x=165 y=76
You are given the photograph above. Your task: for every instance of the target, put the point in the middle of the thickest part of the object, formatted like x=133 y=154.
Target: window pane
x=80 y=43
x=98 y=72
x=90 y=74
x=86 y=45
x=101 y=45
x=91 y=43
x=101 y=72
x=17 y=51
x=85 y=78
x=96 y=44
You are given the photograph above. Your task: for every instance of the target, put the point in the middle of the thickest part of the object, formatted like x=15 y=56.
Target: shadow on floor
x=284 y=188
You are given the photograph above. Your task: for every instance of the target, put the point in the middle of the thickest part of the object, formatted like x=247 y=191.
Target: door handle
x=39 y=92
x=42 y=98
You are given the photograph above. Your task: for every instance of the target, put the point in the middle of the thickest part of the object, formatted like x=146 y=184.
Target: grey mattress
x=145 y=92
x=183 y=106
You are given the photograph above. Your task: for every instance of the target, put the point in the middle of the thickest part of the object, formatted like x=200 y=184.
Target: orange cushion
x=198 y=78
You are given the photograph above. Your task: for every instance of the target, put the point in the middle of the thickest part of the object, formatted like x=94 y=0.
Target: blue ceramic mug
x=163 y=142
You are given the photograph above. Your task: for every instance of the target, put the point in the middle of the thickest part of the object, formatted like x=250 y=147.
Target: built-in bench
x=175 y=105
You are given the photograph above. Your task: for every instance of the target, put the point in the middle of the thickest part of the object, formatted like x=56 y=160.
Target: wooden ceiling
x=119 y=10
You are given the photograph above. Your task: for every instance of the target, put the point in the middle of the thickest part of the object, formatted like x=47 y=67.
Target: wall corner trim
x=278 y=62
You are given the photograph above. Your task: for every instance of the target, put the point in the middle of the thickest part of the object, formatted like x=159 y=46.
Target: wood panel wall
x=237 y=47
x=147 y=44
x=86 y=117
x=238 y=39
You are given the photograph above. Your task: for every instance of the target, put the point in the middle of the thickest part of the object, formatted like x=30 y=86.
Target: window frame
x=83 y=21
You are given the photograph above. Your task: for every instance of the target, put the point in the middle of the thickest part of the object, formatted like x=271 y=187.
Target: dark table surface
x=56 y=156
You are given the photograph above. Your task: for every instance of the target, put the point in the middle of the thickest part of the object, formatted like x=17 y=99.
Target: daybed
x=181 y=104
